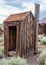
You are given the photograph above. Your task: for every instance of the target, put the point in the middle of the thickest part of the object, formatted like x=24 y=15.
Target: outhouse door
x=12 y=38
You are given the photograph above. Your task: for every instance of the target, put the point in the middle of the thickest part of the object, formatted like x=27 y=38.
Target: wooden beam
x=6 y=39
x=37 y=7
x=17 y=41
x=23 y=38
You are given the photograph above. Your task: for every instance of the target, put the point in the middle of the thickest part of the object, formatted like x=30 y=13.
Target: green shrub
x=1 y=39
x=2 y=49
x=42 y=58
x=39 y=50
x=1 y=55
x=2 y=52
x=18 y=61
x=14 y=61
x=5 y=62
x=43 y=40
x=40 y=37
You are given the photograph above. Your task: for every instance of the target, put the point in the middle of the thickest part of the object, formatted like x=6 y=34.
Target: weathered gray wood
x=37 y=7
x=17 y=42
x=6 y=39
x=26 y=36
x=23 y=38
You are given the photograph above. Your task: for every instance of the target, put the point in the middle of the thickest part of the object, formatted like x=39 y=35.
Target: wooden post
x=23 y=38
x=37 y=6
x=17 y=42
x=6 y=39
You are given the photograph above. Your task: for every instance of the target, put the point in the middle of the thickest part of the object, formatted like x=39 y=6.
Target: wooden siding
x=25 y=36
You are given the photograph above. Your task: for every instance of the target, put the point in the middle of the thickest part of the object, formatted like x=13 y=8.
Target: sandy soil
x=32 y=60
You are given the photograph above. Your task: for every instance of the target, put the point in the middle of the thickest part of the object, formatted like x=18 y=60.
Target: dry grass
x=41 y=46
x=1 y=44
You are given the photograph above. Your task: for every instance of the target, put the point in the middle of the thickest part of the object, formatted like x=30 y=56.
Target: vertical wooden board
x=6 y=39
x=29 y=27
x=37 y=6
x=21 y=46
x=28 y=35
x=20 y=42
x=19 y=39
x=17 y=42
x=25 y=38
x=33 y=34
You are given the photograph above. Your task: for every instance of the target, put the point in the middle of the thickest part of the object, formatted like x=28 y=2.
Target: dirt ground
x=32 y=60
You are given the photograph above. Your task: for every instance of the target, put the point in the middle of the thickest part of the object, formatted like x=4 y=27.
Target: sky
x=8 y=7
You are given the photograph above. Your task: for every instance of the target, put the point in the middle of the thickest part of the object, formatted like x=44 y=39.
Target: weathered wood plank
x=37 y=6
x=6 y=39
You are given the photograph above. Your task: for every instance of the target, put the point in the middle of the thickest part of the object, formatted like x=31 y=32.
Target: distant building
x=1 y=29
x=42 y=26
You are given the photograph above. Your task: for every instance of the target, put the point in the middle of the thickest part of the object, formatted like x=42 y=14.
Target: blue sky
x=8 y=7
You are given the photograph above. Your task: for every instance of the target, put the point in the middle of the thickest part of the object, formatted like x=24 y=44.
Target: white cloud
x=42 y=5
x=42 y=1
x=2 y=19
x=29 y=6
x=2 y=2
x=7 y=10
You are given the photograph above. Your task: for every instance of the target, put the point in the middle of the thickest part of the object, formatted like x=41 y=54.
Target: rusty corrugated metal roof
x=16 y=17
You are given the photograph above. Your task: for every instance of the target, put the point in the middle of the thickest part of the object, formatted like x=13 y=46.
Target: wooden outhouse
x=20 y=33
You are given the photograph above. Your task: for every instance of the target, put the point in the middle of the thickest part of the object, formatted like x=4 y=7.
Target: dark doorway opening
x=12 y=38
